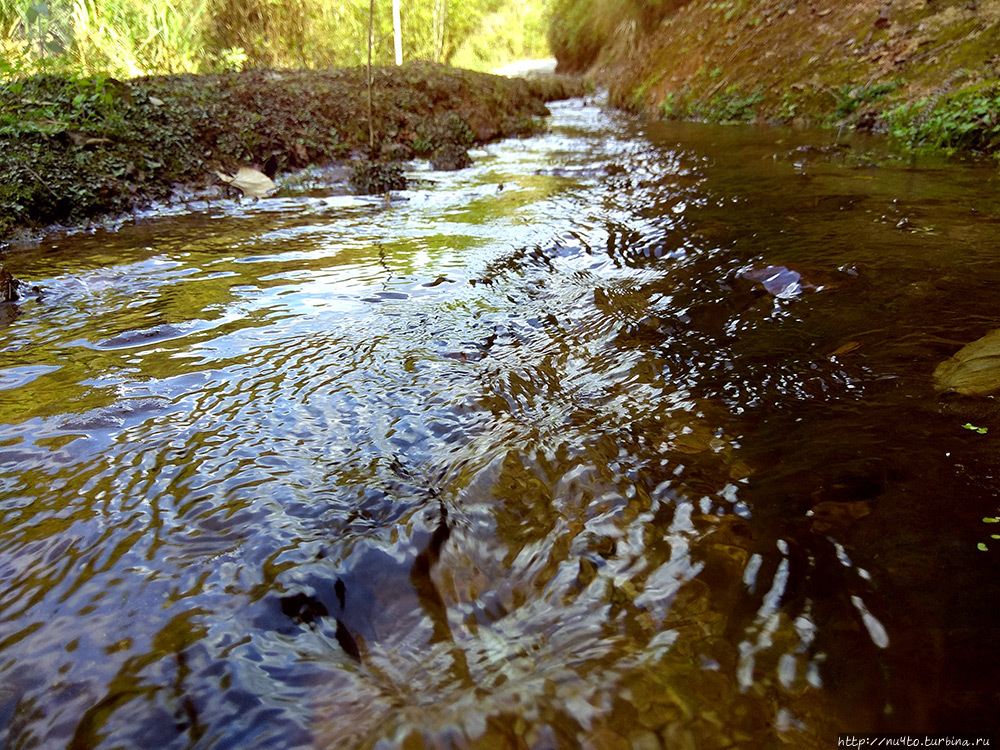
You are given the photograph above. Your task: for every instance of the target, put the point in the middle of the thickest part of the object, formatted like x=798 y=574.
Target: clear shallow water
x=621 y=436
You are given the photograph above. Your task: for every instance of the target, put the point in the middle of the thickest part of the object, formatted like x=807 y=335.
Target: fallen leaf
x=831 y=514
x=739 y=470
x=156 y=101
x=79 y=138
x=250 y=182
x=692 y=443
x=974 y=370
x=850 y=346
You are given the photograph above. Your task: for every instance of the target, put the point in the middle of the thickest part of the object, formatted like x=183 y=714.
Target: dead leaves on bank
x=83 y=140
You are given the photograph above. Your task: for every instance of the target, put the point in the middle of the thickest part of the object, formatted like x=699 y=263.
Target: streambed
x=625 y=436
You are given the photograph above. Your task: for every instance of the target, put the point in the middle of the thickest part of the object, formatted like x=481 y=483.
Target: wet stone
x=606 y=739
x=451 y=158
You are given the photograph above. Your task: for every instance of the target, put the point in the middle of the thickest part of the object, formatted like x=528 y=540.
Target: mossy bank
x=72 y=150
x=924 y=71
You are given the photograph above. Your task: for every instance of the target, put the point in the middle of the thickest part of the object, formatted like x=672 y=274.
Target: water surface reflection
x=619 y=438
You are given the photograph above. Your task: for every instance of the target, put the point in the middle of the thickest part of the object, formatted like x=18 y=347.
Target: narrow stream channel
x=624 y=437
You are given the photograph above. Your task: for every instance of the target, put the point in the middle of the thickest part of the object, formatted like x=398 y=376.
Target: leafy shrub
x=731 y=105
x=375 y=178
x=441 y=131
x=969 y=119
x=850 y=97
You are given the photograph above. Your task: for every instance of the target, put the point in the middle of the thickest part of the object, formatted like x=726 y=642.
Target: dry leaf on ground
x=250 y=182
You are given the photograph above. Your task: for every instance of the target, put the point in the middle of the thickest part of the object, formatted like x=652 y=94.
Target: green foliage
x=376 y=178
x=516 y=31
x=440 y=131
x=731 y=105
x=789 y=108
x=850 y=97
x=127 y=38
x=668 y=108
x=54 y=105
x=969 y=119
x=578 y=29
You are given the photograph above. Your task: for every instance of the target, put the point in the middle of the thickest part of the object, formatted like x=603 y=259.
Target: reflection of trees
x=585 y=590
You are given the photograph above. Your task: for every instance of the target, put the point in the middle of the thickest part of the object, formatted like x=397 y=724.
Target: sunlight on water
x=620 y=438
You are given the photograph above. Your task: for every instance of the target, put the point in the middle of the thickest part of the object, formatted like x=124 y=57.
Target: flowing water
x=624 y=437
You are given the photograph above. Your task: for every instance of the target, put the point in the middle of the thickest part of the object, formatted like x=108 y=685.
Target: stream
x=625 y=437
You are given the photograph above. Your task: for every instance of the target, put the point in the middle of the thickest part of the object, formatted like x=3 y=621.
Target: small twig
x=39 y=178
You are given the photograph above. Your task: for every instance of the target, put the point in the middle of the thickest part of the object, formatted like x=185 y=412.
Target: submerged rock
x=778 y=281
x=974 y=370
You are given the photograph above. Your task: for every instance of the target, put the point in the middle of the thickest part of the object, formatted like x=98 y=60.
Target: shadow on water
x=622 y=438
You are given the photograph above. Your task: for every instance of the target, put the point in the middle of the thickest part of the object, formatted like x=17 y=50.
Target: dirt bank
x=924 y=71
x=72 y=150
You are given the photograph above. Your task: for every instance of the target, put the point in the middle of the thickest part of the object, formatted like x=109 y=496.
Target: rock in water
x=451 y=158
x=375 y=178
x=8 y=286
x=777 y=280
x=974 y=370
